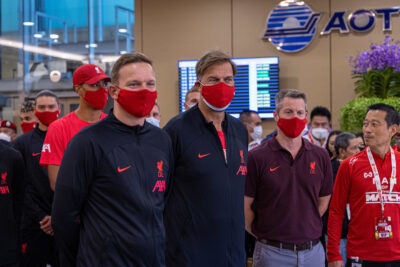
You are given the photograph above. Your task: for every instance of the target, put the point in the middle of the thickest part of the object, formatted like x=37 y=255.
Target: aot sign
x=292 y=24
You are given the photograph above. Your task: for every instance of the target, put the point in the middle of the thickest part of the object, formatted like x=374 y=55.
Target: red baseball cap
x=88 y=73
x=8 y=124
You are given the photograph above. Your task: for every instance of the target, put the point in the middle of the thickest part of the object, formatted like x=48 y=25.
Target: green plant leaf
x=352 y=114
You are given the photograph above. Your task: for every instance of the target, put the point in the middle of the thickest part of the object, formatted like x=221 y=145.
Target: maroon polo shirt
x=286 y=191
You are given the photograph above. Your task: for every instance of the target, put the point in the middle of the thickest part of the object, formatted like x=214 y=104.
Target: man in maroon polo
x=288 y=187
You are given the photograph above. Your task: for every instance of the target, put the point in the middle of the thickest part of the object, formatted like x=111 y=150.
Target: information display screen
x=256 y=84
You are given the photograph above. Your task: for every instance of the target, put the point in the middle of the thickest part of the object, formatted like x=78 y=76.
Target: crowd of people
x=96 y=189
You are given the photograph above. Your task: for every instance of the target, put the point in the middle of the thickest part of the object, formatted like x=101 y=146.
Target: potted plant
x=377 y=80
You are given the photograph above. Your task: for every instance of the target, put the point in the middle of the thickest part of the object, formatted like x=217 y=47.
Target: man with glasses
x=90 y=83
x=204 y=216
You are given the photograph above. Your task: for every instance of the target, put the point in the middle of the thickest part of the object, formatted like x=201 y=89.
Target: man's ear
x=394 y=129
x=276 y=117
x=79 y=90
x=113 y=91
x=198 y=85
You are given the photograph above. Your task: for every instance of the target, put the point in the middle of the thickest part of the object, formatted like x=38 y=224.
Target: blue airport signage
x=292 y=24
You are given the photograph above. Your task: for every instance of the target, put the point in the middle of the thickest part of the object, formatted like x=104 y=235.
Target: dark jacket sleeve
x=170 y=129
x=171 y=168
x=73 y=180
x=18 y=186
x=31 y=208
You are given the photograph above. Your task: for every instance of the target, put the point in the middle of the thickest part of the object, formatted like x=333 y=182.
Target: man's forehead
x=293 y=103
x=218 y=69
x=255 y=117
x=138 y=70
x=318 y=118
x=193 y=95
x=353 y=141
x=46 y=100
x=378 y=115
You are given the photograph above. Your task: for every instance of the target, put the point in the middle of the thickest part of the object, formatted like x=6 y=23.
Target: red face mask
x=292 y=127
x=97 y=99
x=47 y=117
x=137 y=103
x=218 y=96
x=28 y=126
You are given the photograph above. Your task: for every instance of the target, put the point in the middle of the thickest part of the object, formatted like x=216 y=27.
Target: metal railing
x=127 y=32
x=46 y=36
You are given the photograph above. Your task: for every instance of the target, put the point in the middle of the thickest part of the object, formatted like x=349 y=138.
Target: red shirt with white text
x=354 y=185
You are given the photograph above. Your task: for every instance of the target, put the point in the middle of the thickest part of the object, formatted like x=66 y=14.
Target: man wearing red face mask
x=90 y=83
x=288 y=187
x=27 y=115
x=110 y=192
x=36 y=231
x=204 y=215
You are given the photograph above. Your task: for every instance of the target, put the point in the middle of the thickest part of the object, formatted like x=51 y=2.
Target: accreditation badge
x=383 y=228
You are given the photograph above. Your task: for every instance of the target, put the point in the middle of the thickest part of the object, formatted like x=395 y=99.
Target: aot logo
x=361 y=20
x=291 y=25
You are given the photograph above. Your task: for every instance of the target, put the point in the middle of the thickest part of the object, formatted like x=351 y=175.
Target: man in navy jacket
x=204 y=216
x=110 y=190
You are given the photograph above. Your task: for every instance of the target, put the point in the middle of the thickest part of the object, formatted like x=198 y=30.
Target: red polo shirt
x=354 y=186
x=286 y=191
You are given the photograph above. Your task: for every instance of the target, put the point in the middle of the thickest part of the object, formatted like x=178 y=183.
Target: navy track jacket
x=38 y=194
x=11 y=198
x=204 y=216
x=110 y=195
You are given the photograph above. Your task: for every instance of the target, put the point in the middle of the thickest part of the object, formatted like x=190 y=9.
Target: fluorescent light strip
x=41 y=50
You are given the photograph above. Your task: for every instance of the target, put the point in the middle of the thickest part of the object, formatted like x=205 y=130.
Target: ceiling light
x=90 y=45
x=28 y=23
